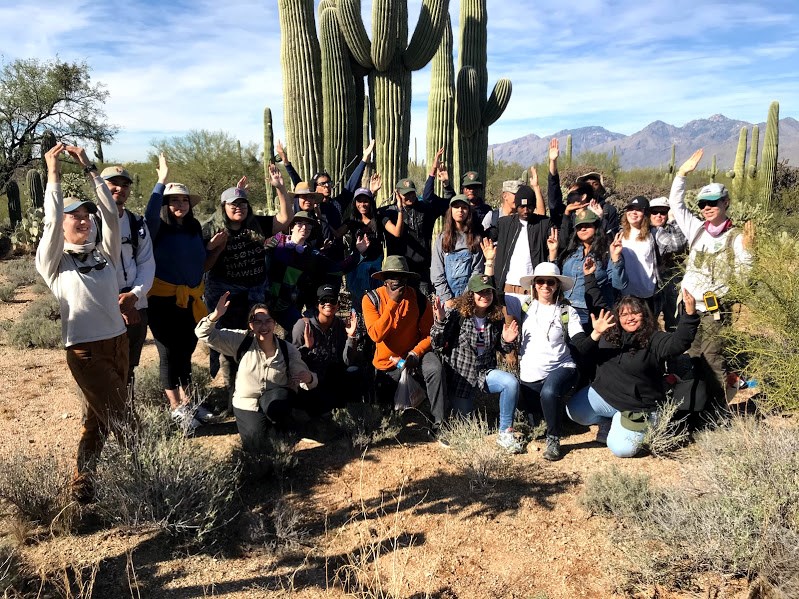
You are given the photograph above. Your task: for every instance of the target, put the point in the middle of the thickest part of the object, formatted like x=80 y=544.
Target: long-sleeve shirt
x=712 y=261
x=137 y=269
x=609 y=275
x=179 y=253
x=440 y=273
x=331 y=348
x=258 y=372
x=88 y=302
x=397 y=328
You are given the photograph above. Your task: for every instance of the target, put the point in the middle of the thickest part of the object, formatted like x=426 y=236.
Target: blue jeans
x=548 y=393
x=587 y=407
x=497 y=381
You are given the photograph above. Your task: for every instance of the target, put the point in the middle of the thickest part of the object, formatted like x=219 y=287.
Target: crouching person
x=629 y=357
x=327 y=344
x=469 y=337
x=269 y=375
x=398 y=318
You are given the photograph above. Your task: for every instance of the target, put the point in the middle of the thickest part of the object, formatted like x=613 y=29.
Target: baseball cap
x=512 y=186
x=76 y=203
x=405 y=186
x=713 y=191
x=327 y=291
x=110 y=172
x=480 y=282
x=459 y=198
x=586 y=217
x=231 y=194
x=662 y=202
x=470 y=178
x=639 y=202
x=362 y=191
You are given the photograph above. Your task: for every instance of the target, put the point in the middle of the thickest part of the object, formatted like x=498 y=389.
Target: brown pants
x=708 y=346
x=101 y=369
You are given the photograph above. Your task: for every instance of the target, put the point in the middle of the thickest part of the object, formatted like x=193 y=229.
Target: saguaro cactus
x=35 y=188
x=768 y=167
x=568 y=150
x=751 y=169
x=441 y=103
x=48 y=142
x=302 y=85
x=389 y=59
x=473 y=112
x=714 y=171
x=739 y=177
x=269 y=152
x=14 y=205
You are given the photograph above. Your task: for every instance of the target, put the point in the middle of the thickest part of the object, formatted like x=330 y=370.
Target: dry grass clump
x=150 y=391
x=666 y=435
x=36 y=485
x=165 y=480
x=737 y=513
x=473 y=451
x=366 y=423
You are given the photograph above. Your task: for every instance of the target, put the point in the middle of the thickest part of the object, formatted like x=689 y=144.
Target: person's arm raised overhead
x=688 y=223
x=280 y=222
x=540 y=207
x=51 y=245
x=293 y=174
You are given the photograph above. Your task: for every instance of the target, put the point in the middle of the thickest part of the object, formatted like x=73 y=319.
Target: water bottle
x=401 y=364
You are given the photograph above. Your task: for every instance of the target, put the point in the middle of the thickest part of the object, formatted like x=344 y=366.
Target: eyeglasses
x=324 y=184
x=100 y=262
x=630 y=315
x=239 y=204
x=547 y=282
x=708 y=204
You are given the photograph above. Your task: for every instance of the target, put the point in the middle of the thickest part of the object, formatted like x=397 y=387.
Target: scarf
x=717 y=230
x=79 y=248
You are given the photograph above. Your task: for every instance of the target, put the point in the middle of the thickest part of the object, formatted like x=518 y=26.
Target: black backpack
x=137 y=229
x=246 y=344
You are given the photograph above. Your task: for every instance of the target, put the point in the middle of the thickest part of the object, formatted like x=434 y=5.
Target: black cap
x=640 y=203
x=327 y=291
x=525 y=197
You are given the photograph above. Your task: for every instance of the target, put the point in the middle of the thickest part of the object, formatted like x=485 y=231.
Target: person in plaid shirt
x=468 y=337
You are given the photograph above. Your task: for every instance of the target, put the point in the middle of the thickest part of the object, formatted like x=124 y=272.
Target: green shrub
x=21 y=272
x=472 y=450
x=367 y=424
x=616 y=493
x=149 y=390
x=39 y=326
x=167 y=481
x=36 y=485
x=666 y=435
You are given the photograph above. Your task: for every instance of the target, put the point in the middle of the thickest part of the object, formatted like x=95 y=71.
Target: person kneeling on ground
x=469 y=336
x=398 y=318
x=269 y=375
x=629 y=378
x=327 y=344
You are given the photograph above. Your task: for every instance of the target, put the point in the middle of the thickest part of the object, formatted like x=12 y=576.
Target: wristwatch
x=89 y=168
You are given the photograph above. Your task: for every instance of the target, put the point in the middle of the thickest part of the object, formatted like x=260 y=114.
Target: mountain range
x=651 y=146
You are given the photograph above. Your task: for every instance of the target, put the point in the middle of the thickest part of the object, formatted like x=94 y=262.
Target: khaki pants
x=708 y=346
x=101 y=369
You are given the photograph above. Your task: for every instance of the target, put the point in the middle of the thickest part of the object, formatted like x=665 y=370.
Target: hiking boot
x=604 y=429
x=82 y=488
x=507 y=440
x=552 y=452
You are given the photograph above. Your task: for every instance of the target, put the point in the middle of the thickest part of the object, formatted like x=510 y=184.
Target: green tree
x=209 y=162
x=39 y=95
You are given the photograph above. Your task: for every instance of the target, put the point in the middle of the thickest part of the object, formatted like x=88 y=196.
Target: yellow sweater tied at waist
x=182 y=293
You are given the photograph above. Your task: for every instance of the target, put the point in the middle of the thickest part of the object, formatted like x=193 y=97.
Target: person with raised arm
x=82 y=275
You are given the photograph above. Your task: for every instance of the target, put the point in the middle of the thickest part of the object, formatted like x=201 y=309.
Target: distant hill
x=651 y=146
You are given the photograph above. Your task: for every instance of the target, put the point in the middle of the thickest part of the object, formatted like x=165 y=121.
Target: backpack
x=246 y=344
x=564 y=317
x=421 y=301
x=137 y=229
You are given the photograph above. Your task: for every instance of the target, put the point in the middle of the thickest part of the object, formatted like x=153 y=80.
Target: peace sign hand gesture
x=616 y=247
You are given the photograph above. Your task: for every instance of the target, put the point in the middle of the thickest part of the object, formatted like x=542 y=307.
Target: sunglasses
x=100 y=263
x=708 y=203
x=324 y=184
x=659 y=212
x=547 y=282
x=328 y=302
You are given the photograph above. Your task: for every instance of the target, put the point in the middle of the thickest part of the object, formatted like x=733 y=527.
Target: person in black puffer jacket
x=629 y=358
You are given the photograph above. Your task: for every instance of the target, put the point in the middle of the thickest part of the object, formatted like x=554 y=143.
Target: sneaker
x=185 y=420
x=604 y=429
x=434 y=432
x=507 y=441
x=203 y=414
x=180 y=413
x=552 y=452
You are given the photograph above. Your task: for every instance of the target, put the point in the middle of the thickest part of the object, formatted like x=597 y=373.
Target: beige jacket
x=257 y=372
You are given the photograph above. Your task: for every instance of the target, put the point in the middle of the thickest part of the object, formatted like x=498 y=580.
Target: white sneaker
x=507 y=441
x=180 y=413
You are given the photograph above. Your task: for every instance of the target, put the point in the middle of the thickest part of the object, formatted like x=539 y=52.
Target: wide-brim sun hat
x=395 y=266
x=178 y=189
x=303 y=216
x=592 y=175
x=549 y=270
x=303 y=190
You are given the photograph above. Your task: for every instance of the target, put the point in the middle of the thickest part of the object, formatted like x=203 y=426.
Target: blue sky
x=172 y=66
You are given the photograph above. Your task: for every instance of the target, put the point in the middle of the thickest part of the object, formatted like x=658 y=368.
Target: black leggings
x=173 y=331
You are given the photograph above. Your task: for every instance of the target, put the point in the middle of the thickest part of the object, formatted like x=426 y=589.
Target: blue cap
x=77 y=203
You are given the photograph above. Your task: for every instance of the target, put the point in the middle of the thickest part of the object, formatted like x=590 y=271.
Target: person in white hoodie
x=717 y=253
x=640 y=251
x=82 y=275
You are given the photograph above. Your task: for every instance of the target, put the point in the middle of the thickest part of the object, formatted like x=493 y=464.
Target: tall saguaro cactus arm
x=269 y=151
x=497 y=102
x=424 y=44
x=768 y=167
x=348 y=13
x=441 y=103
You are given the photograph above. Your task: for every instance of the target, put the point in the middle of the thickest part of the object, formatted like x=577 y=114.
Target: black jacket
x=508 y=229
x=632 y=379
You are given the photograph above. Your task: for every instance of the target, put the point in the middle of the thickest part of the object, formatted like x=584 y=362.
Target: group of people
x=568 y=292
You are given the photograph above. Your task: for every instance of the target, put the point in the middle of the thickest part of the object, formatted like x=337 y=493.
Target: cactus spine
x=35 y=188
x=751 y=169
x=441 y=103
x=14 y=204
x=768 y=167
x=473 y=112
x=714 y=171
x=302 y=86
x=568 y=151
x=338 y=93
x=269 y=153
x=739 y=176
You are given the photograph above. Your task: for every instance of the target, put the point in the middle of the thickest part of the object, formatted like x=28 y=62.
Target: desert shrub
x=737 y=513
x=150 y=391
x=616 y=493
x=278 y=529
x=367 y=424
x=168 y=481
x=468 y=438
x=7 y=292
x=666 y=435
x=279 y=458
x=39 y=326
x=21 y=272
x=10 y=574
x=36 y=485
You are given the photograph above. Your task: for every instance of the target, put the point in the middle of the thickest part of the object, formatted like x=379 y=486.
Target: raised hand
x=439 y=311
x=243 y=183
x=437 y=161
x=533 y=176
x=308 y=335
x=603 y=322
x=616 y=247
x=748 y=238
x=510 y=331
x=79 y=154
x=352 y=325
x=690 y=164
x=554 y=149
x=275 y=176
x=574 y=207
x=689 y=301
x=552 y=240
x=221 y=306
x=219 y=240
x=443 y=174
x=399 y=201
x=362 y=243
x=589 y=265
x=163 y=169
x=51 y=158
x=487 y=246
x=375 y=183
x=367 y=151
x=596 y=208
x=281 y=152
